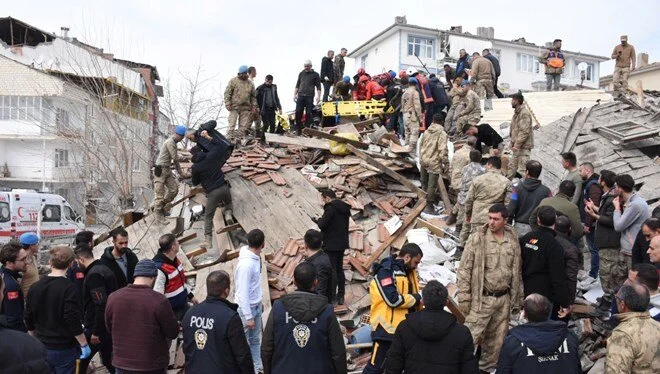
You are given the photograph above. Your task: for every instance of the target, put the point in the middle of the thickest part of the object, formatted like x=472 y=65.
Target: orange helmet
x=403 y=73
x=363 y=78
x=361 y=71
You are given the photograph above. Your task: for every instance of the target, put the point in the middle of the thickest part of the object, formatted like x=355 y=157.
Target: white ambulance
x=49 y=215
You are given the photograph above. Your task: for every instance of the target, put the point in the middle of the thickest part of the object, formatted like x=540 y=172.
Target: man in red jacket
x=141 y=323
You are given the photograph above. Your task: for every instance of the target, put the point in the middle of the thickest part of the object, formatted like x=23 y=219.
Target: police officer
x=302 y=334
x=213 y=337
x=13 y=259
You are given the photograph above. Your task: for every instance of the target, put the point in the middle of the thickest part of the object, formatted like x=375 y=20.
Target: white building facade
x=396 y=47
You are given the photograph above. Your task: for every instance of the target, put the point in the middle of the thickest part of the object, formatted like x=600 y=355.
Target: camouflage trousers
x=484 y=88
x=613 y=270
x=165 y=189
x=411 y=123
x=489 y=326
x=464 y=227
x=239 y=124
x=620 y=79
x=517 y=162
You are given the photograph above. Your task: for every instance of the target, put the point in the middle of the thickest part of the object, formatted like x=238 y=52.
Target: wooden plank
x=335 y=138
x=398 y=177
x=228 y=228
x=322 y=144
x=192 y=193
x=188 y=237
x=196 y=252
x=417 y=210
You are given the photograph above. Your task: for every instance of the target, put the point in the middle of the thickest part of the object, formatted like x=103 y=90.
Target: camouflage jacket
x=458 y=162
x=455 y=95
x=410 y=103
x=478 y=258
x=472 y=105
x=634 y=345
x=240 y=95
x=470 y=171
x=486 y=190
x=338 y=67
x=482 y=69
x=433 y=150
x=522 y=134
x=169 y=153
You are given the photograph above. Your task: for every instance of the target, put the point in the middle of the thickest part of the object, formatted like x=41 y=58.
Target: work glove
x=85 y=352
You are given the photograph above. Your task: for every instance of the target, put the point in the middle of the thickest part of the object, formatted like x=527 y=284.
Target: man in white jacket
x=249 y=293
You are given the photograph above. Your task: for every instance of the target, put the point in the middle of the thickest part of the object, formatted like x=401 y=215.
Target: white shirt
x=248 y=282
x=655 y=303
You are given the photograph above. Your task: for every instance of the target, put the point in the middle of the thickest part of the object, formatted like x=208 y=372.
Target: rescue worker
x=459 y=160
x=490 y=284
x=522 y=136
x=469 y=173
x=412 y=113
x=471 y=114
x=624 y=54
x=342 y=89
x=14 y=260
x=496 y=65
x=483 y=76
x=554 y=62
x=360 y=91
x=394 y=293
x=489 y=141
x=171 y=279
x=166 y=186
x=374 y=90
x=30 y=243
x=339 y=65
x=393 y=98
x=426 y=96
x=456 y=106
x=462 y=64
x=486 y=190
x=241 y=102
x=213 y=338
x=99 y=283
x=433 y=159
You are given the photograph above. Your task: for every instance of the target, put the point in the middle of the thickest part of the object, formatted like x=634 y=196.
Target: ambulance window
x=4 y=212
x=51 y=213
x=69 y=214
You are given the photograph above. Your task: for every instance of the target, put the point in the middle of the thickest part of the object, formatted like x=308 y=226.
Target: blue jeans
x=62 y=361
x=254 y=336
x=595 y=260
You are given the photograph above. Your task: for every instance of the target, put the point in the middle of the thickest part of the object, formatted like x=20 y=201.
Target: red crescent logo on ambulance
x=20 y=212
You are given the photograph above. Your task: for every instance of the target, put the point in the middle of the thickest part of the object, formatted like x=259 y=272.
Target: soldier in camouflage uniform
x=483 y=75
x=411 y=107
x=471 y=114
x=241 y=102
x=433 y=160
x=490 y=284
x=469 y=173
x=165 y=185
x=522 y=136
x=633 y=346
x=486 y=190
x=458 y=161
x=456 y=106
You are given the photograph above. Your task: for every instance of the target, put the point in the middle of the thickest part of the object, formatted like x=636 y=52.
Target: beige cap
x=624 y=38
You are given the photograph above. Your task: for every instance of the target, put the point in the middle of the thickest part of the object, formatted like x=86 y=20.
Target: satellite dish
x=582 y=66
x=440 y=56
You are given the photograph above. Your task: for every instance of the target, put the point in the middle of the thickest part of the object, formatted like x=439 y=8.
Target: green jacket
x=562 y=205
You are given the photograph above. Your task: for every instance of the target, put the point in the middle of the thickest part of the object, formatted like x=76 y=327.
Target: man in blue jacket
x=541 y=345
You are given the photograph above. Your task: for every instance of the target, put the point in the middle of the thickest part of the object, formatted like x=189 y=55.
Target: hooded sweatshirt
x=334 y=225
x=526 y=195
x=540 y=347
x=247 y=277
x=431 y=342
x=302 y=335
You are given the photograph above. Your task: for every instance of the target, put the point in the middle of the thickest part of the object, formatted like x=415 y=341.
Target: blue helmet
x=412 y=80
x=180 y=130
x=29 y=238
x=392 y=74
x=346 y=79
x=242 y=69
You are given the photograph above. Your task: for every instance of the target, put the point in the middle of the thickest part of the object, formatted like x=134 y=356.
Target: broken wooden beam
x=192 y=193
x=229 y=228
x=396 y=176
x=187 y=238
x=196 y=252
x=335 y=138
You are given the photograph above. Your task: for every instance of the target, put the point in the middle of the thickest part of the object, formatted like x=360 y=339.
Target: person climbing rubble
x=166 y=186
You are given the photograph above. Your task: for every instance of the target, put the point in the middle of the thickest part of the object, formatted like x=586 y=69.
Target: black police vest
x=301 y=347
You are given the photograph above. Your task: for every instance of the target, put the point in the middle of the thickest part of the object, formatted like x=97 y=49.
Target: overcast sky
x=277 y=36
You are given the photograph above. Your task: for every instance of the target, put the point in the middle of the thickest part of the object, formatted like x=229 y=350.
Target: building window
x=588 y=73
x=136 y=162
x=61 y=158
x=363 y=61
x=20 y=108
x=527 y=63
x=62 y=117
x=418 y=46
x=51 y=213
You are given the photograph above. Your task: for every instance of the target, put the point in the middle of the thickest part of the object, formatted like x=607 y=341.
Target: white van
x=49 y=215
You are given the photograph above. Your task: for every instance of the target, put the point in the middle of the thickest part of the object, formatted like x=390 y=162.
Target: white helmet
x=410 y=71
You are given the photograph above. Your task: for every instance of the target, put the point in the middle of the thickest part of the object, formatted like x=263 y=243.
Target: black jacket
x=431 y=342
x=262 y=91
x=541 y=347
x=108 y=260
x=307 y=82
x=207 y=167
x=53 y=311
x=99 y=283
x=324 y=272
x=327 y=70
x=214 y=340
x=334 y=225
x=304 y=307
x=12 y=308
x=218 y=138
x=393 y=97
x=496 y=64
x=543 y=269
x=525 y=197
x=440 y=98
x=639 y=255
x=20 y=353
x=605 y=235
x=571 y=263
x=488 y=136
